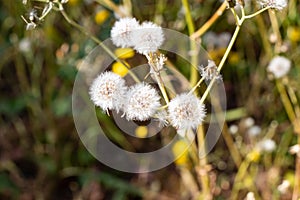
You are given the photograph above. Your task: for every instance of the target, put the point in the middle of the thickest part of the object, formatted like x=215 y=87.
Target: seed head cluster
x=141 y=102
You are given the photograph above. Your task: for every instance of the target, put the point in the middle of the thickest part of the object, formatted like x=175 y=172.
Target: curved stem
x=256 y=13
x=235 y=34
x=209 y=22
x=96 y=40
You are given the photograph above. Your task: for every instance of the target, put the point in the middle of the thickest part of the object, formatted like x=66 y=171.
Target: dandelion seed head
x=295 y=149
x=250 y=196
x=108 y=91
x=275 y=4
x=284 y=186
x=148 y=38
x=122 y=32
x=233 y=129
x=142 y=102
x=279 y=66
x=254 y=131
x=210 y=71
x=186 y=111
x=267 y=145
x=248 y=122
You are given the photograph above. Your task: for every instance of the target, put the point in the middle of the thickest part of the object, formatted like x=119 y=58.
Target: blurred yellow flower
x=254 y=155
x=101 y=16
x=141 y=131
x=217 y=54
x=290 y=176
x=293 y=34
x=234 y=58
x=124 y=53
x=120 y=69
x=180 y=151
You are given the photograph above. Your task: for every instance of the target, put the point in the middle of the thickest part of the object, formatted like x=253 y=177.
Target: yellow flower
x=101 y=16
x=124 y=53
x=180 y=151
x=141 y=131
x=254 y=155
x=293 y=34
x=120 y=69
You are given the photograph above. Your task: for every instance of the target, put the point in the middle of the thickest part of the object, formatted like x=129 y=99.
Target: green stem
x=285 y=100
x=204 y=179
x=96 y=40
x=191 y=29
x=197 y=85
x=256 y=13
x=161 y=87
x=276 y=30
x=235 y=34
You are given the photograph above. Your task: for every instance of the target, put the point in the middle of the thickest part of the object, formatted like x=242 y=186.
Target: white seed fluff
x=142 y=102
x=122 y=32
x=148 y=38
x=254 y=131
x=267 y=145
x=210 y=71
x=108 y=91
x=279 y=66
x=186 y=111
x=275 y=4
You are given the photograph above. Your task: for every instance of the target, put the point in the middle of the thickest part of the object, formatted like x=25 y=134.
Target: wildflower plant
x=140 y=98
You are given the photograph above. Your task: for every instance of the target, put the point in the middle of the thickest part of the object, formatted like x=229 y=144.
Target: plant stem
x=194 y=50
x=235 y=34
x=209 y=22
x=202 y=171
x=276 y=30
x=240 y=174
x=256 y=13
x=97 y=41
x=296 y=126
x=285 y=100
x=110 y=5
x=161 y=87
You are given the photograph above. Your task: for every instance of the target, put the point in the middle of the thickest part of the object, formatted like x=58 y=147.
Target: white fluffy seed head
x=254 y=131
x=142 y=102
x=122 y=32
x=148 y=38
x=108 y=91
x=279 y=66
x=267 y=145
x=186 y=111
x=275 y=4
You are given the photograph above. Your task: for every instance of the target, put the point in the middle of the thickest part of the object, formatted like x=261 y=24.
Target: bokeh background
x=41 y=156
